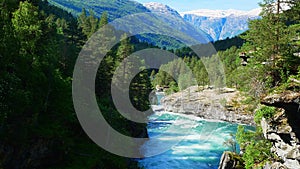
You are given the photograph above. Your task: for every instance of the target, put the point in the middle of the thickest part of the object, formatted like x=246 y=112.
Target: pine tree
x=124 y=50
x=104 y=19
x=108 y=65
x=84 y=23
x=27 y=26
x=269 y=37
x=93 y=21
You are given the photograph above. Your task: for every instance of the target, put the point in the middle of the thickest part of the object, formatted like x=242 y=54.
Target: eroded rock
x=283 y=130
x=216 y=104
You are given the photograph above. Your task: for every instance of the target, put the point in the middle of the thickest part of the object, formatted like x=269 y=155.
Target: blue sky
x=188 y=5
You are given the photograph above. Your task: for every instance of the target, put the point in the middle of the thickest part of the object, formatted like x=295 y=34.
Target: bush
x=257 y=154
x=256 y=149
x=266 y=112
x=244 y=137
x=238 y=159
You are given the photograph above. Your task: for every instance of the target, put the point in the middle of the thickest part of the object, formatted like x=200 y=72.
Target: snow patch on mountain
x=216 y=24
x=221 y=24
x=222 y=13
x=161 y=8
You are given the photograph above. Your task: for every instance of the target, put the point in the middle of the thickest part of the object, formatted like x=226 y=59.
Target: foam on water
x=199 y=142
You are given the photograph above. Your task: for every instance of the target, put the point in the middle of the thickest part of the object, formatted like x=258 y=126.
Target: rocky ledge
x=217 y=104
x=230 y=160
x=283 y=130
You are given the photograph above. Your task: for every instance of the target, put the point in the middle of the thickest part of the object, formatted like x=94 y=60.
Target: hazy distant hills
x=212 y=25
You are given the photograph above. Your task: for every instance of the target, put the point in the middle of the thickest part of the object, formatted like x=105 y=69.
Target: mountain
x=162 y=19
x=221 y=24
x=174 y=20
x=161 y=8
x=201 y=25
x=115 y=8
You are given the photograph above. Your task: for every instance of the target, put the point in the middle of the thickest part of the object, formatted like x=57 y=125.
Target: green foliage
x=231 y=143
x=173 y=88
x=228 y=43
x=256 y=149
x=117 y=9
x=104 y=19
x=89 y=24
x=272 y=40
x=272 y=45
x=27 y=26
x=187 y=71
x=39 y=44
x=238 y=159
x=244 y=137
x=257 y=154
x=266 y=112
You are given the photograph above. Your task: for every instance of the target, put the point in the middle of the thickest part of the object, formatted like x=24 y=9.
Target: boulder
x=276 y=165
x=292 y=164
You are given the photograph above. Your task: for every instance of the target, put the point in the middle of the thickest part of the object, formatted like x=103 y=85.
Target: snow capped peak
x=223 y=13
x=161 y=8
x=155 y=5
x=254 y=12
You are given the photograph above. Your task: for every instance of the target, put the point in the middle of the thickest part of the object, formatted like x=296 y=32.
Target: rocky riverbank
x=283 y=130
x=218 y=104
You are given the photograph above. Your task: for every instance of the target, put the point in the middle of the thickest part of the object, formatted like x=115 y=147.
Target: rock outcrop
x=217 y=104
x=283 y=130
x=226 y=162
x=230 y=160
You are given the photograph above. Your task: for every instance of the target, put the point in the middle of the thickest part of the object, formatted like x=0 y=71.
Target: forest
x=39 y=45
x=39 y=128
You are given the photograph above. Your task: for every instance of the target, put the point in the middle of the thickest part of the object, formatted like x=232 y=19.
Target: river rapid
x=199 y=142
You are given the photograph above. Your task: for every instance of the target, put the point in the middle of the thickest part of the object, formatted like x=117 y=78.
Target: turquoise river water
x=200 y=142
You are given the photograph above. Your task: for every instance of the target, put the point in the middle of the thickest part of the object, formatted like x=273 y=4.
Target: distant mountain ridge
x=222 y=13
x=213 y=24
x=174 y=20
x=161 y=8
x=221 y=24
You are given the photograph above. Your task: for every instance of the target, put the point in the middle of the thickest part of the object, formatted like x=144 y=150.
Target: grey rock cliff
x=283 y=129
x=216 y=104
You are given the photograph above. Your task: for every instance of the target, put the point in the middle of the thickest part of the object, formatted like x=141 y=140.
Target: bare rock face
x=230 y=160
x=226 y=162
x=275 y=165
x=209 y=103
x=283 y=99
x=284 y=129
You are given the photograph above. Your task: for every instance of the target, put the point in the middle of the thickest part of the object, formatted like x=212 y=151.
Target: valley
x=117 y=84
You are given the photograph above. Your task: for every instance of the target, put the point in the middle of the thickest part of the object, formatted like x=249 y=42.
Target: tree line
x=271 y=45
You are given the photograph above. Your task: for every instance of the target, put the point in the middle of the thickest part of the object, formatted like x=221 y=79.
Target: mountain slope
x=161 y=8
x=173 y=19
x=163 y=19
x=115 y=8
x=202 y=25
x=221 y=24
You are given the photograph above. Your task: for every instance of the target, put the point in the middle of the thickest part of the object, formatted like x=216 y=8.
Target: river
x=200 y=142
